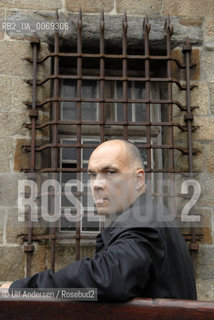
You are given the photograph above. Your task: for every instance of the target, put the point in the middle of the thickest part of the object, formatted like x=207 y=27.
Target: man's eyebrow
x=90 y=171
x=108 y=167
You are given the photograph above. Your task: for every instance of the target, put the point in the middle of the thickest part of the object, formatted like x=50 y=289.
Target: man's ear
x=140 y=179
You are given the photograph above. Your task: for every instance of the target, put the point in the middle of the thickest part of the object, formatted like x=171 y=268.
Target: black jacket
x=138 y=255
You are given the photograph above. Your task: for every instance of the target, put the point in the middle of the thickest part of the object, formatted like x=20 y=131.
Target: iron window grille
x=70 y=122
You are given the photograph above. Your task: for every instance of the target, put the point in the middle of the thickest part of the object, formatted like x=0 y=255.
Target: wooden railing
x=139 y=309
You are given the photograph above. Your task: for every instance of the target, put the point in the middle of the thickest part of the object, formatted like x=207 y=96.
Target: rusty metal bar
x=146 y=31
x=61 y=237
x=116 y=123
x=125 y=76
x=151 y=101
x=45 y=170
x=55 y=136
x=33 y=113
x=169 y=32
x=187 y=236
x=79 y=116
x=145 y=146
x=112 y=100
x=102 y=83
x=109 y=78
x=102 y=76
x=188 y=118
x=108 y=56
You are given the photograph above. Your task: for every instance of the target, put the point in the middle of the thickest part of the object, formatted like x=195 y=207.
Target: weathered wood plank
x=139 y=309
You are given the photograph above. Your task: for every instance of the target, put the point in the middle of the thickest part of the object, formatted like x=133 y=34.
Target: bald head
x=116 y=175
x=133 y=153
x=127 y=148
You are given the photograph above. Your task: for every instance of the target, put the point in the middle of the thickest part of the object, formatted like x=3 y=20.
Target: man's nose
x=99 y=182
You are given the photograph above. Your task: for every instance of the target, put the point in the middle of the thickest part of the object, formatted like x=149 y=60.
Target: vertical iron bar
x=146 y=30
x=125 y=83
x=55 y=151
x=102 y=83
x=34 y=94
x=169 y=32
x=188 y=119
x=79 y=116
x=102 y=75
x=29 y=249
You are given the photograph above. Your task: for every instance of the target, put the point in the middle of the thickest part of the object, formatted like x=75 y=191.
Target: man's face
x=112 y=178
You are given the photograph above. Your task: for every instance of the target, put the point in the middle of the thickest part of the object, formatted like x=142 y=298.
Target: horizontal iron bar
x=57 y=170
x=110 y=78
x=84 y=193
x=107 y=100
x=143 y=146
x=86 y=237
x=59 y=236
x=106 y=123
x=109 y=56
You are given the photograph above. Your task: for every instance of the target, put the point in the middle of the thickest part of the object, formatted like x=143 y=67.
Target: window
x=114 y=92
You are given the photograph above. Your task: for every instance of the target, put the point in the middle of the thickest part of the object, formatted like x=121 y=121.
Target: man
x=136 y=256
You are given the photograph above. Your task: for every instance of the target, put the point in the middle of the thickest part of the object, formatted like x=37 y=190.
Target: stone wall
x=194 y=19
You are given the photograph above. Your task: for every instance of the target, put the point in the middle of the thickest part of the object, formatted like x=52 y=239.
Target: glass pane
x=136 y=111
x=120 y=106
x=69 y=109
x=89 y=109
x=66 y=176
x=140 y=108
x=85 y=177
x=119 y=95
x=140 y=112
x=89 y=89
x=66 y=202
x=69 y=153
x=88 y=151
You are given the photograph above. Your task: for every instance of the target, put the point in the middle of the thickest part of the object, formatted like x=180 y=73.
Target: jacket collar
x=126 y=220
